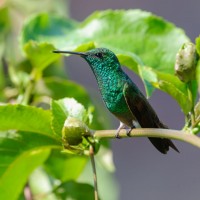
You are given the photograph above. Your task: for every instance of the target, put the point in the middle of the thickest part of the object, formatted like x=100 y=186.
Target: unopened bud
x=73 y=130
x=186 y=61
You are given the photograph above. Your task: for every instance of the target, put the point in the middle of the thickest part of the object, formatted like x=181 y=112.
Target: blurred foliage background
x=36 y=79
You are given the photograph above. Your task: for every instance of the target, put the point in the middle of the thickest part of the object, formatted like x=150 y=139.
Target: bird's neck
x=107 y=76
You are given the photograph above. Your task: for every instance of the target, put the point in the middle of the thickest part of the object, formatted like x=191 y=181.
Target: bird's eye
x=99 y=55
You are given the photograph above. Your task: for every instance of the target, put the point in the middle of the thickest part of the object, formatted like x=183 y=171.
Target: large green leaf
x=13 y=181
x=47 y=28
x=59 y=88
x=25 y=118
x=64 y=166
x=20 y=154
x=151 y=38
x=75 y=191
x=169 y=84
x=42 y=29
x=40 y=54
x=134 y=31
x=148 y=36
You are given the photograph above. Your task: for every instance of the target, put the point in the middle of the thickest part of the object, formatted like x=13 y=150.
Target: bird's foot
x=117 y=136
x=128 y=133
x=121 y=126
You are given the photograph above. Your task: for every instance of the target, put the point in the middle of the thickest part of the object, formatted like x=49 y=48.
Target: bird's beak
x=71 y=52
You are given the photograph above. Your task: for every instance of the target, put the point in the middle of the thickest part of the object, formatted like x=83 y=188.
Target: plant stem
x=91 y=150
x=152 y=132
x=192 y=101
x=29 y=88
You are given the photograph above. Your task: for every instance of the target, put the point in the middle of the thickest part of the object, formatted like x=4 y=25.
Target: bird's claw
x=117 y=135
x=128 y=133
x=122 y=126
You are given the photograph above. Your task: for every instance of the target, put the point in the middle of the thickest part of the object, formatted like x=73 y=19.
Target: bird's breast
x=112 y=93
x=111 y=87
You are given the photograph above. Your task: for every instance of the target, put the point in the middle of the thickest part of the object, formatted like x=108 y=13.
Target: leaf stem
x=152 y=132
x=91 y=152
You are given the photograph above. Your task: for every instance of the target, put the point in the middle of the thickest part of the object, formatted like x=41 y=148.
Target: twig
x=151 y=132
x=94 y=172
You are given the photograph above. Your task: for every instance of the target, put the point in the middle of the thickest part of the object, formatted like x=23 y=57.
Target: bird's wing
x=140 y=108
x=146 y=116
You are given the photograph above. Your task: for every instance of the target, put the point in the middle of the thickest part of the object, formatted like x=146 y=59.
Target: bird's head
x=98 y=59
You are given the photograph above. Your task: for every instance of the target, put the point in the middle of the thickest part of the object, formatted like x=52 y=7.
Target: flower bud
x=73 y=130
x=186 y=61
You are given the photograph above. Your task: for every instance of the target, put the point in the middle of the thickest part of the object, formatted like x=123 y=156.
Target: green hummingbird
x=121 y=96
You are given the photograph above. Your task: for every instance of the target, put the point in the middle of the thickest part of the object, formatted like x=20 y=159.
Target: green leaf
x=47 y=28
x=64 y=166
x=170 y=84
x=67 y=88
x=63 y=108
x=148 y=36
x=75 y=191
x=25 y=118
x=14 y=180
x=134 y=31
x=20 y=154
x=40 y=54
x=56 y=69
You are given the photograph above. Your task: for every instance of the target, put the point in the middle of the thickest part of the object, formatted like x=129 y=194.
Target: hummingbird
x=121 y=95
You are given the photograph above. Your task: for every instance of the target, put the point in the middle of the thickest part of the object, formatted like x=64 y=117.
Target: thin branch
x=94 y=172
x=152 y=132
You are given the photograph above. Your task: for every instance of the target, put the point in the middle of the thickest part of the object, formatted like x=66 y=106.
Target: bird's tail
x=162 y=144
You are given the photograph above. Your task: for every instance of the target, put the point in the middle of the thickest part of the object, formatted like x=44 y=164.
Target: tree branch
x=152 y=132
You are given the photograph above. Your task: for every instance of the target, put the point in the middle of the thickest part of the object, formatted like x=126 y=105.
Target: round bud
x=73 y=130
x=186 y=61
